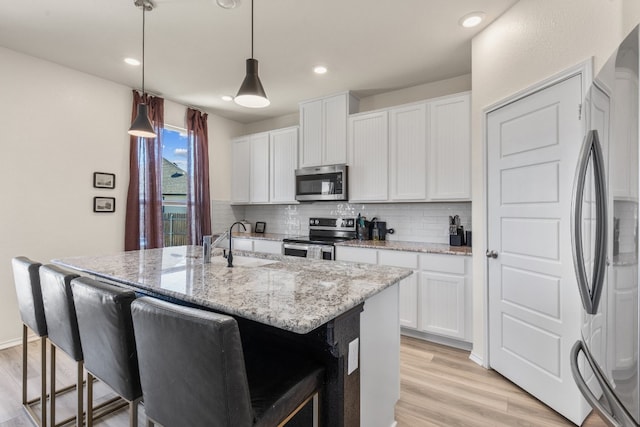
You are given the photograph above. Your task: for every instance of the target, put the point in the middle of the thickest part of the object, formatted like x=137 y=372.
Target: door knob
x=492 y=254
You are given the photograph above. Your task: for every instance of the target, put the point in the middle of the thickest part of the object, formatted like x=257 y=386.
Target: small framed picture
x=104 y=204
x=260 y=226
x=104 y=180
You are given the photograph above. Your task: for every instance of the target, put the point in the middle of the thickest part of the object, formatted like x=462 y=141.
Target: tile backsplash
x=413 y=222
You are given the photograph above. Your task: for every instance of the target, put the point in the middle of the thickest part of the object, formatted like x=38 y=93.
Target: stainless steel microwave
x=321 y=183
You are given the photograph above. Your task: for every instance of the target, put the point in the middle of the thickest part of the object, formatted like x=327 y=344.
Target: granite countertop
x=260 y=236
x=432 y=248
x=295 y=294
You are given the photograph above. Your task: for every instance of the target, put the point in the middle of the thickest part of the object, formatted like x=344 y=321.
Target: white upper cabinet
x=449 y=149
x=263 y=167
x=417 y=152
x=240 y=169
x=259 y=175
x=408 y=153
x=368 y=157
x=283 y=163
x=323 y=129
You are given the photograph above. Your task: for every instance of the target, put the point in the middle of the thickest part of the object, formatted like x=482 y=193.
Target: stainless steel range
x=323 y=233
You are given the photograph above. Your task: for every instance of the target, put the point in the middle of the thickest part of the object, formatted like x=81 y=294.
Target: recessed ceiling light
x=228 y=4
x=227 y=98
x=320 y=69
x=471 y=19
x=132 y=61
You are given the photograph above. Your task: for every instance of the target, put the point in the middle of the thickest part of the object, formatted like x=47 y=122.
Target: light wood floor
x=440 y=386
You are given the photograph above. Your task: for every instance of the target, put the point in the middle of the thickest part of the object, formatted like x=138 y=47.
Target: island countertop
x=294 y=294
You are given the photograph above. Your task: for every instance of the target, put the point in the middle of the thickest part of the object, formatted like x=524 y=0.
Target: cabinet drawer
x=398 y=259
x=367 y=256
x=267 y=246
x=453 y=264
x=242 y=244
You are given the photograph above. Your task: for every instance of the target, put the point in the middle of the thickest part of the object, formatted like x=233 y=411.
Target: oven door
x=312 y=251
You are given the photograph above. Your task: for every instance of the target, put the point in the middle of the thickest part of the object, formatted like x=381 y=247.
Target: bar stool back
x=106 y=333
x=62 y=326
x=26 y=278
x=194 y=371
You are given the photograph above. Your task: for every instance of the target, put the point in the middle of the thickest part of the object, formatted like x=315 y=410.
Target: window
x=175 y=150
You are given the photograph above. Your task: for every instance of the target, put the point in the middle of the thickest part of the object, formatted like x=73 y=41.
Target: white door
x=534 y=305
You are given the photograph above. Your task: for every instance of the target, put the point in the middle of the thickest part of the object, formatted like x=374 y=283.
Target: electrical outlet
x=354 y=347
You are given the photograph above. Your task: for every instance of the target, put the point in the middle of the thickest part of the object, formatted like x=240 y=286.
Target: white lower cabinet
x=436 y=298
x=257 y=245
x=442 y=300
x=267 y=246
x=408 y=286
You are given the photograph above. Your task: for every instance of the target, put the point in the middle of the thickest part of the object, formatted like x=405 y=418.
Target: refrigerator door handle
x=591 y=151
x=620 y=417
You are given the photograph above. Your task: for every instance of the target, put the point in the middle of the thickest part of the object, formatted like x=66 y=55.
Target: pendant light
x=141 y=126
x=251 y=93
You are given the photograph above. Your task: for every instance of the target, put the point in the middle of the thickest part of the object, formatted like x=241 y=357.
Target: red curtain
x=198 y=196
x=143 y=223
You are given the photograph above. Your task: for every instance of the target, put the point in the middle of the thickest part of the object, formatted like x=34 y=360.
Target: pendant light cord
x=143 y=61
x=251 y=29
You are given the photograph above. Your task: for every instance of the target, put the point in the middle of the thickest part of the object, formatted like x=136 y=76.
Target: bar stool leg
x=89 y=399
x=80 y=413
x=24 y=364
x=43 y=381
x=52 y=385
x=133 y=413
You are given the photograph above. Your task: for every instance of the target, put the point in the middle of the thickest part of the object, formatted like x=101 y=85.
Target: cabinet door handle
x=492 y=254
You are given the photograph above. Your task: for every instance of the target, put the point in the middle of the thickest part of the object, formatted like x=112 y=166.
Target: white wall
x=533 y=40
x=58 y=127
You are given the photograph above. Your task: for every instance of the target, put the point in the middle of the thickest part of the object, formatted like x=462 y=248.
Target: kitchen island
x=335 y=311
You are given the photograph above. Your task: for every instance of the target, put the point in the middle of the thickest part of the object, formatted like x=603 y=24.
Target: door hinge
x=579 y=111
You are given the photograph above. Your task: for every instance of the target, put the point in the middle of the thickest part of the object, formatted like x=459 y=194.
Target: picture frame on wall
x=104 y=204
x=104 y=180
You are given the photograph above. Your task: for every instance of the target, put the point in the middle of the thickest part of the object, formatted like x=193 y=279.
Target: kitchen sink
x=243 y=261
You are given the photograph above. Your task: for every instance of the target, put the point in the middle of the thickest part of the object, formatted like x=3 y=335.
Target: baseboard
x=463 y=345
x=12 y=343
x=475 y=358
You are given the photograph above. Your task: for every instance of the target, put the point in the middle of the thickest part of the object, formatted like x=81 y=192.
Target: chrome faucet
x=206 y=249
x=219 y=239
x=230 y=255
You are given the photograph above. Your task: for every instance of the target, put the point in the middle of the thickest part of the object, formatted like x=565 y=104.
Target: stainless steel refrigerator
x=605 y=241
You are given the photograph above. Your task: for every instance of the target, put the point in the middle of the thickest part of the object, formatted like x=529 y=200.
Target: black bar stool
x=106 y=333
x=62 y=326
x=27 y=282
x=194 y=371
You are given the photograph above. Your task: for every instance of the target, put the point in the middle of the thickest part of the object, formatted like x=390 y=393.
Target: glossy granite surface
x=430 y=248
x=290 y=293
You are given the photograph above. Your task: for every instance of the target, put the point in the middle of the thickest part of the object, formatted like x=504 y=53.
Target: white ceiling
x=196 y=51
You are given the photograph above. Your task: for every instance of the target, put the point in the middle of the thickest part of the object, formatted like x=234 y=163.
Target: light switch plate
x=354 y=347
